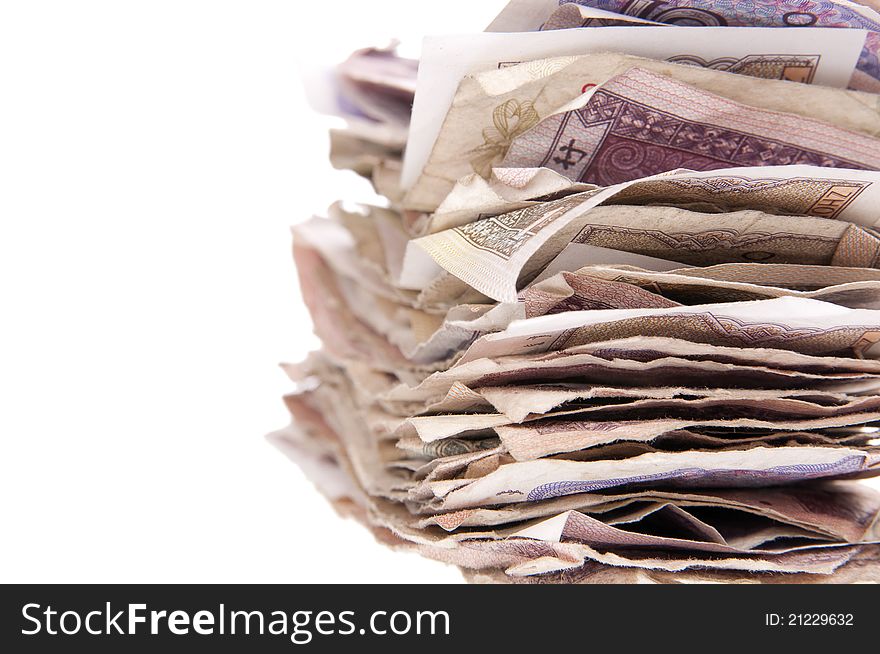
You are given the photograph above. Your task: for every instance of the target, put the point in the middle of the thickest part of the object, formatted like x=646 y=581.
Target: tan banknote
x=538 y=480
x=496 y=255
x=788 y=323
x=704 y=239
x=493 y=105
x=641 y=123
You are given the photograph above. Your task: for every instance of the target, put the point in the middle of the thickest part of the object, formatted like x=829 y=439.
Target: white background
x=152 y=157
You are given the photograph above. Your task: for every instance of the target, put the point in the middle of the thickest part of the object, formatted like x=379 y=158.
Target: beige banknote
x=492 y=107
x=789 y=323
x=641 y=123
x=542 y=438
x=506 y=189
x=649 y=361
x=494 y=255
x=614 y=284
x=704 y=239
x=863 y=566
x=522 y=401
x=845 y=511
x=570 y=16
x=538 y=551
x=586 y=288
x=534 y=481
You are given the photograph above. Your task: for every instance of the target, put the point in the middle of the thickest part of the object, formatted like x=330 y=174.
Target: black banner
x=284 y=618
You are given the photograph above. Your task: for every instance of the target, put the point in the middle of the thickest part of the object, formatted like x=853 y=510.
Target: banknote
x=496 y=255
x=520 y=402
x=802 y=278
x=489 y=105
x=575 y=256
x=651 y=348
x=393 y=520
x=334 y=321
x=447 y=447
x=616 y=279
x=528 y=399
x=445 y=391
x=784 y=190
x=684 y=529
x=791 y=323
x=372 y=90
x=528 y=16
x=554 y=436
x=360 y=249
x=543 y=376
x=485 y=549
x=533 y=481
x=487 y=253
x=420 y=457
x=351 y=149
x=840 y=510
x=861 y=566
x=342 y=417
x=360 y=244
x=649 y=361
x=463 y=323
x=521 y=552
x=639 y=124
x=578 y=527
x=583 y=292
x=509 y=189
x=578 y=428
x=569 y=16
x=815 y=561
x=797 y=68
x=380 y=84
x=778 y=13
x=531 y=555
x=523 y=15
x=582 y=411
x=704 y=239
x=307 y=442
x=505 y=190
x=574 y=291
x=474 y=464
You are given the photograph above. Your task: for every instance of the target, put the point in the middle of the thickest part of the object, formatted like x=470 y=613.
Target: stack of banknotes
x=618 y=318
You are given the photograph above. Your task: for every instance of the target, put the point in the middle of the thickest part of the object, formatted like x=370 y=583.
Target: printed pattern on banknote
x=640 y=124
x=794 y=68
x=709 y=327
x=750 y=245
x=797 y=196
x=756 y=13
x=705 y=478
x=503 y=235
